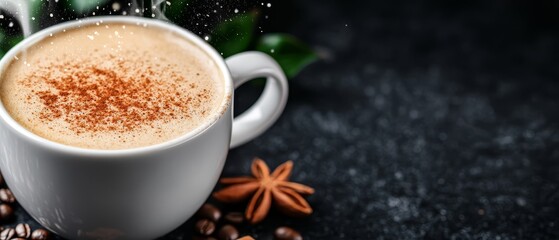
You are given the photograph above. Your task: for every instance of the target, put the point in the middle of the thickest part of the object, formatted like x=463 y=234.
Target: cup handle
x=20 y=10
x=267 y=109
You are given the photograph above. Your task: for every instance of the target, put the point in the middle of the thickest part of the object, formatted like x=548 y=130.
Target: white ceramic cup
x=139 y=193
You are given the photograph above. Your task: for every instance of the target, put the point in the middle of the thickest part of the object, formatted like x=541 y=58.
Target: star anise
x=266 y=188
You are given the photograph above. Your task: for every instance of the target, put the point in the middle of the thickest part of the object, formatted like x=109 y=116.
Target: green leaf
x=291 y=53
x=7 y=42
x=2 y=42
x=83 y=6
x=35 y=8
x=176 y=11
x=14 y=40
x=235 y=35
x=2 y=36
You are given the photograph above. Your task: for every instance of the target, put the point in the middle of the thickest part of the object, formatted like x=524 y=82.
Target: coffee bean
x=40 y=234
x=23 y=230
x=19 y=238
x=1 y=179
x=7 y=196
x=235 y=217
x=6 y=212
x=286 y=233
x=209 y=211
x=228 y=232
x=7 y=234
x=205 y=227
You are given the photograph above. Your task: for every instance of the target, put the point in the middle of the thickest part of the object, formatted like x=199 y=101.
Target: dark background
x=424 y=119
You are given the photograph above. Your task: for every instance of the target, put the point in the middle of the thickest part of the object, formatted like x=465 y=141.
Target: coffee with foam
x=112 y=86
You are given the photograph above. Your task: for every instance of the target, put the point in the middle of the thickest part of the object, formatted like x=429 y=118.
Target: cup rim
x=63 y=148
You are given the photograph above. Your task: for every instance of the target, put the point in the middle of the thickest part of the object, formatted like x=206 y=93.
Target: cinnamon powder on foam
x=93 y=99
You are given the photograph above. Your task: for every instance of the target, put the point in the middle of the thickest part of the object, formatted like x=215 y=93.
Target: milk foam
x=112 y=86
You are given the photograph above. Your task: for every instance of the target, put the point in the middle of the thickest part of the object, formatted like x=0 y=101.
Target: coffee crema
x=112 y=86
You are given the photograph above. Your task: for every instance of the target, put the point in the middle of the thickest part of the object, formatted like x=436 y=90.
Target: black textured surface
x=434 y=120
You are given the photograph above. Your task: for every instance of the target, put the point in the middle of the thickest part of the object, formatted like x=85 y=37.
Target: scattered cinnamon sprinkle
x=94 y=98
